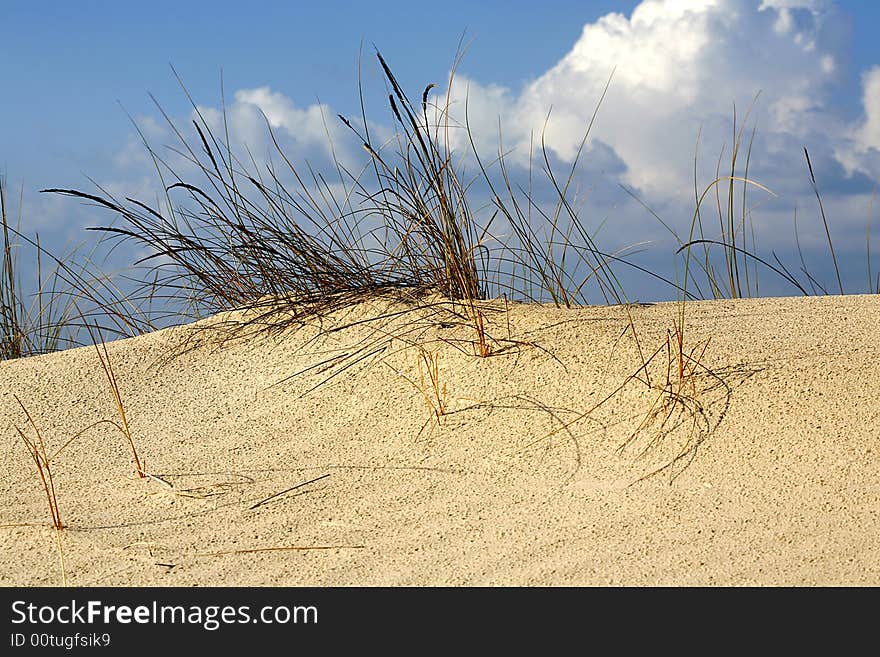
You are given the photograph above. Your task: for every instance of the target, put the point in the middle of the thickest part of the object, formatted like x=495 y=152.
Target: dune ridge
x=548 y=463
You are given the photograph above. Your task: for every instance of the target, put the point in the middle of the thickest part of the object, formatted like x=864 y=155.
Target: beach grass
x=36 y=326
x=411 y=237
x=282 y=244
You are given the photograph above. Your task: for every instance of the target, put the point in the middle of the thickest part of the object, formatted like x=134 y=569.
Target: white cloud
x=309 y=126
x=783 y=22
x=679 y=68
x=677 y=65
x=812 y=5
x=869 y=134
x=858 y=148
x=305 y=130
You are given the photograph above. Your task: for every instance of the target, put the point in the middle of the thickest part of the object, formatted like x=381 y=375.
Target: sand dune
x=551 y=464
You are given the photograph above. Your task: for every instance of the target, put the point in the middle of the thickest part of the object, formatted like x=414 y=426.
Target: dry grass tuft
x=432 y=389
x=107 y=366
x=37 y=450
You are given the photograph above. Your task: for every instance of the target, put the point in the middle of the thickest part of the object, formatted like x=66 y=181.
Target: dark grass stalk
x=734 y=274
x=78 y=284
x=797 y=240
x=746 y=213
x=52 y=320
x=741 y=262
x=543 y=260
x=824 y=220
x=707 y=266
x=730 y=286
x=680 y=325
x=725 y=236
x=732 y=260
x=781 y=272
x=42 y=325
x=872 y=286
x=11 y=308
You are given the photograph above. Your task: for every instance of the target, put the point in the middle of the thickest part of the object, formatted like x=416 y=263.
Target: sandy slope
x=521 y=482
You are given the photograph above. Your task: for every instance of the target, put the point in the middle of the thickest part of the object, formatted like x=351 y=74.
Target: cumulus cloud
x=862 y=151
x=309 y=136
x=309 y=132
x=678 y=65
x=869 y=133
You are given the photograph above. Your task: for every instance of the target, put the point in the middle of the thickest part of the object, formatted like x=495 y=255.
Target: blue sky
x=680 y=65
x=67 y=64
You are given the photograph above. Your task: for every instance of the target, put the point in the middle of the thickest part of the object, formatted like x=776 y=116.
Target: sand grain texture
x=518 y=484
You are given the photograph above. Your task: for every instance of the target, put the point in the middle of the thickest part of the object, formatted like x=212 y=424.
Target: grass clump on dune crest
x=281 y=241
x=409 y=223
x=288 y=243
